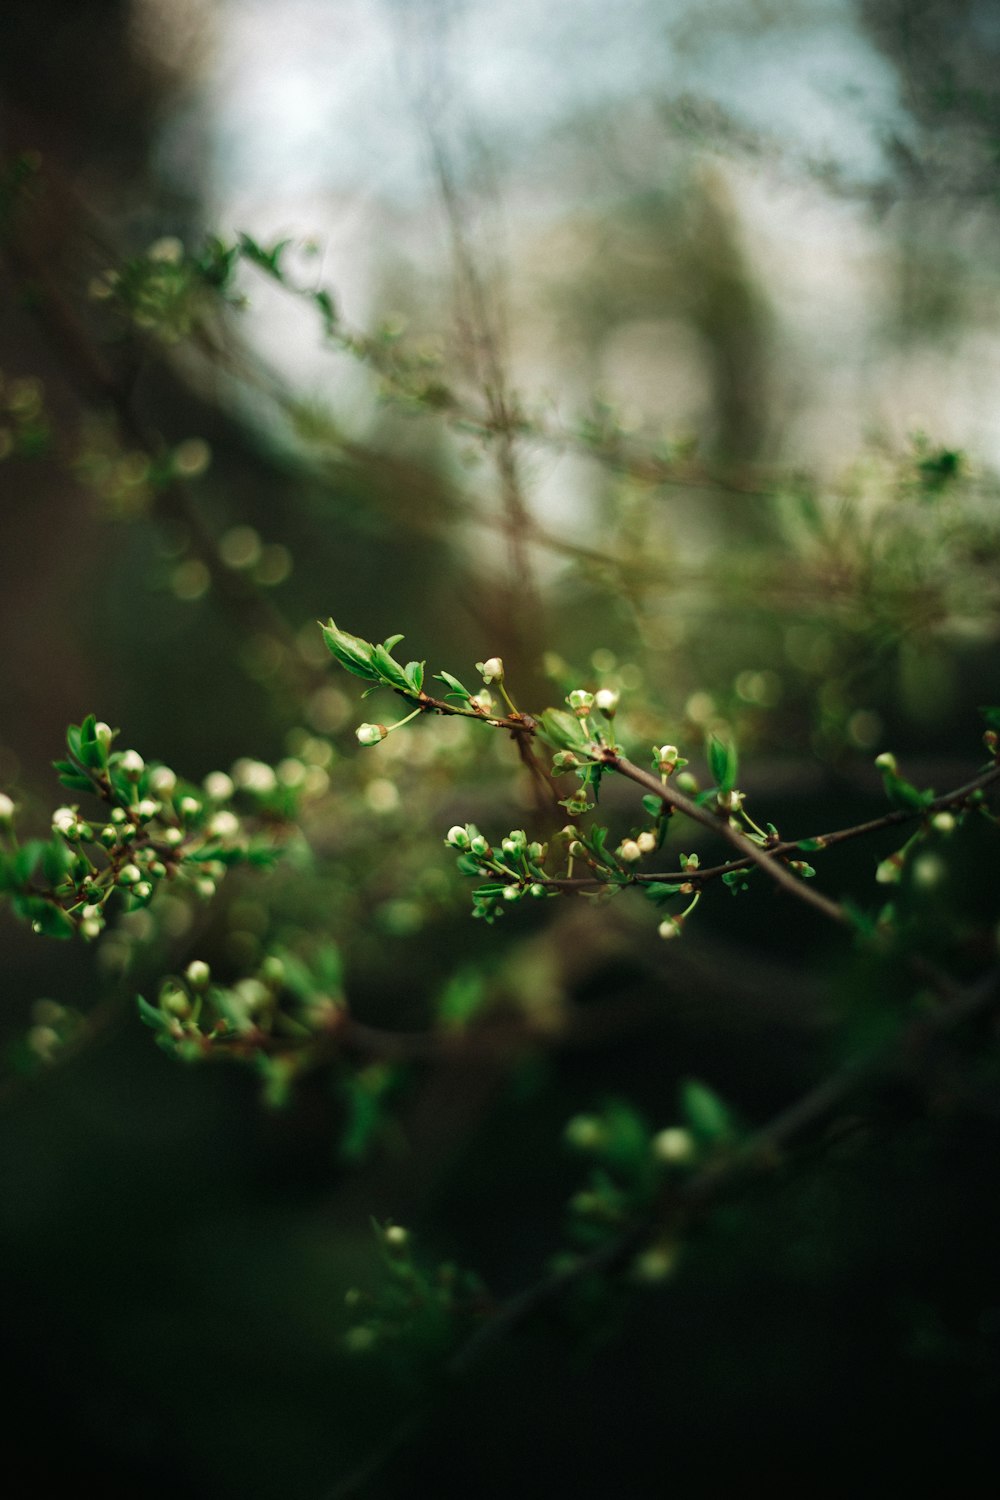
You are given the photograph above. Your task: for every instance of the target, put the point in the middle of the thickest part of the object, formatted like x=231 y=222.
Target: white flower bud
x=224 y=825
x=371 y=734
x=890 y=870
x=580 y=702
x=607 y=701
x=886 y=761
x=103 y=734
x=143 y=890
x=205 y=888
x=673 y=1145
x=147 y=809
x=479 y=845
x=163 y=781
x=629 y=851
x=197 y=973
x=131 y=764
x=668 y=754
x=457 y=837
x=167 y=251
x=397 y=1237
x=943 y=822
x=91 y=928
x=255 y=776
x=491 y=669
x=190 y=807
x=669 y=928
x=218 y=786
x=173 y=837
x=129 y=875
x=6 y=808
x=65 y=821
x=646 y=841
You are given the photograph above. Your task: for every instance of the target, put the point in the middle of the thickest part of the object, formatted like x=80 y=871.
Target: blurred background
x=667 y=360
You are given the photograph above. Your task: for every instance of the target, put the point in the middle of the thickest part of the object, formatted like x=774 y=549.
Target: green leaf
x=390 y=671
x=653 y=804
x=722 y=761
x=562 y=730
x=393 y=640
x=151 y=1016
x=705 y=1112
x=992 y=717
x=414 y=674
x=354 y=654
x=457 y=690
x=658 y=890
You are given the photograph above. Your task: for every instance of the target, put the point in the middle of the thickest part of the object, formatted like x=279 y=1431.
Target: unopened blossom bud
x=173 y=837
x=103 y=734
x=224 y=825
x=91 y=928
x=491 y=669
x=6 y=808
x=190 y=807
x=197 y=973
x=218 y=786
x=606 y=700
x=131 y=764
x=65 y=821
x=580 y=702
x=147 y=808
x=371 y=734
x=629 y=851
x=108 y=836
x=163 y=781
x=668 y=754
x=512 y=893
x=669 y=928
x=673 y=1145
x=943 y=822
x=129 y=875
x=886 y=762
x=143 y=890
x=457 y=837
x=646 y=841
x=396 y=1237
x=479 y=845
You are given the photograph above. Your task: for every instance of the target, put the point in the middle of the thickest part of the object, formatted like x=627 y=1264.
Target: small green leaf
x=706 y=1114
x=390 y=671
x=414 y=674
x=457 y=689
x=151 y=1016
x=654 y=805
x=658 y=890
x=722 y=761
x=562 y=730
x=354 y=654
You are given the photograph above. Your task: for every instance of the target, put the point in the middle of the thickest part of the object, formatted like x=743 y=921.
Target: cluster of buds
x=516 y=867
x=631 y=850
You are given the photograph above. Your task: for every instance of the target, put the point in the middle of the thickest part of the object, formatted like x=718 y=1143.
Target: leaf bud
x=371 y=734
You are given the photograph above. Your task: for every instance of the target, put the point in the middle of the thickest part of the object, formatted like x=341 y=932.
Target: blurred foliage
x=486 y=1206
